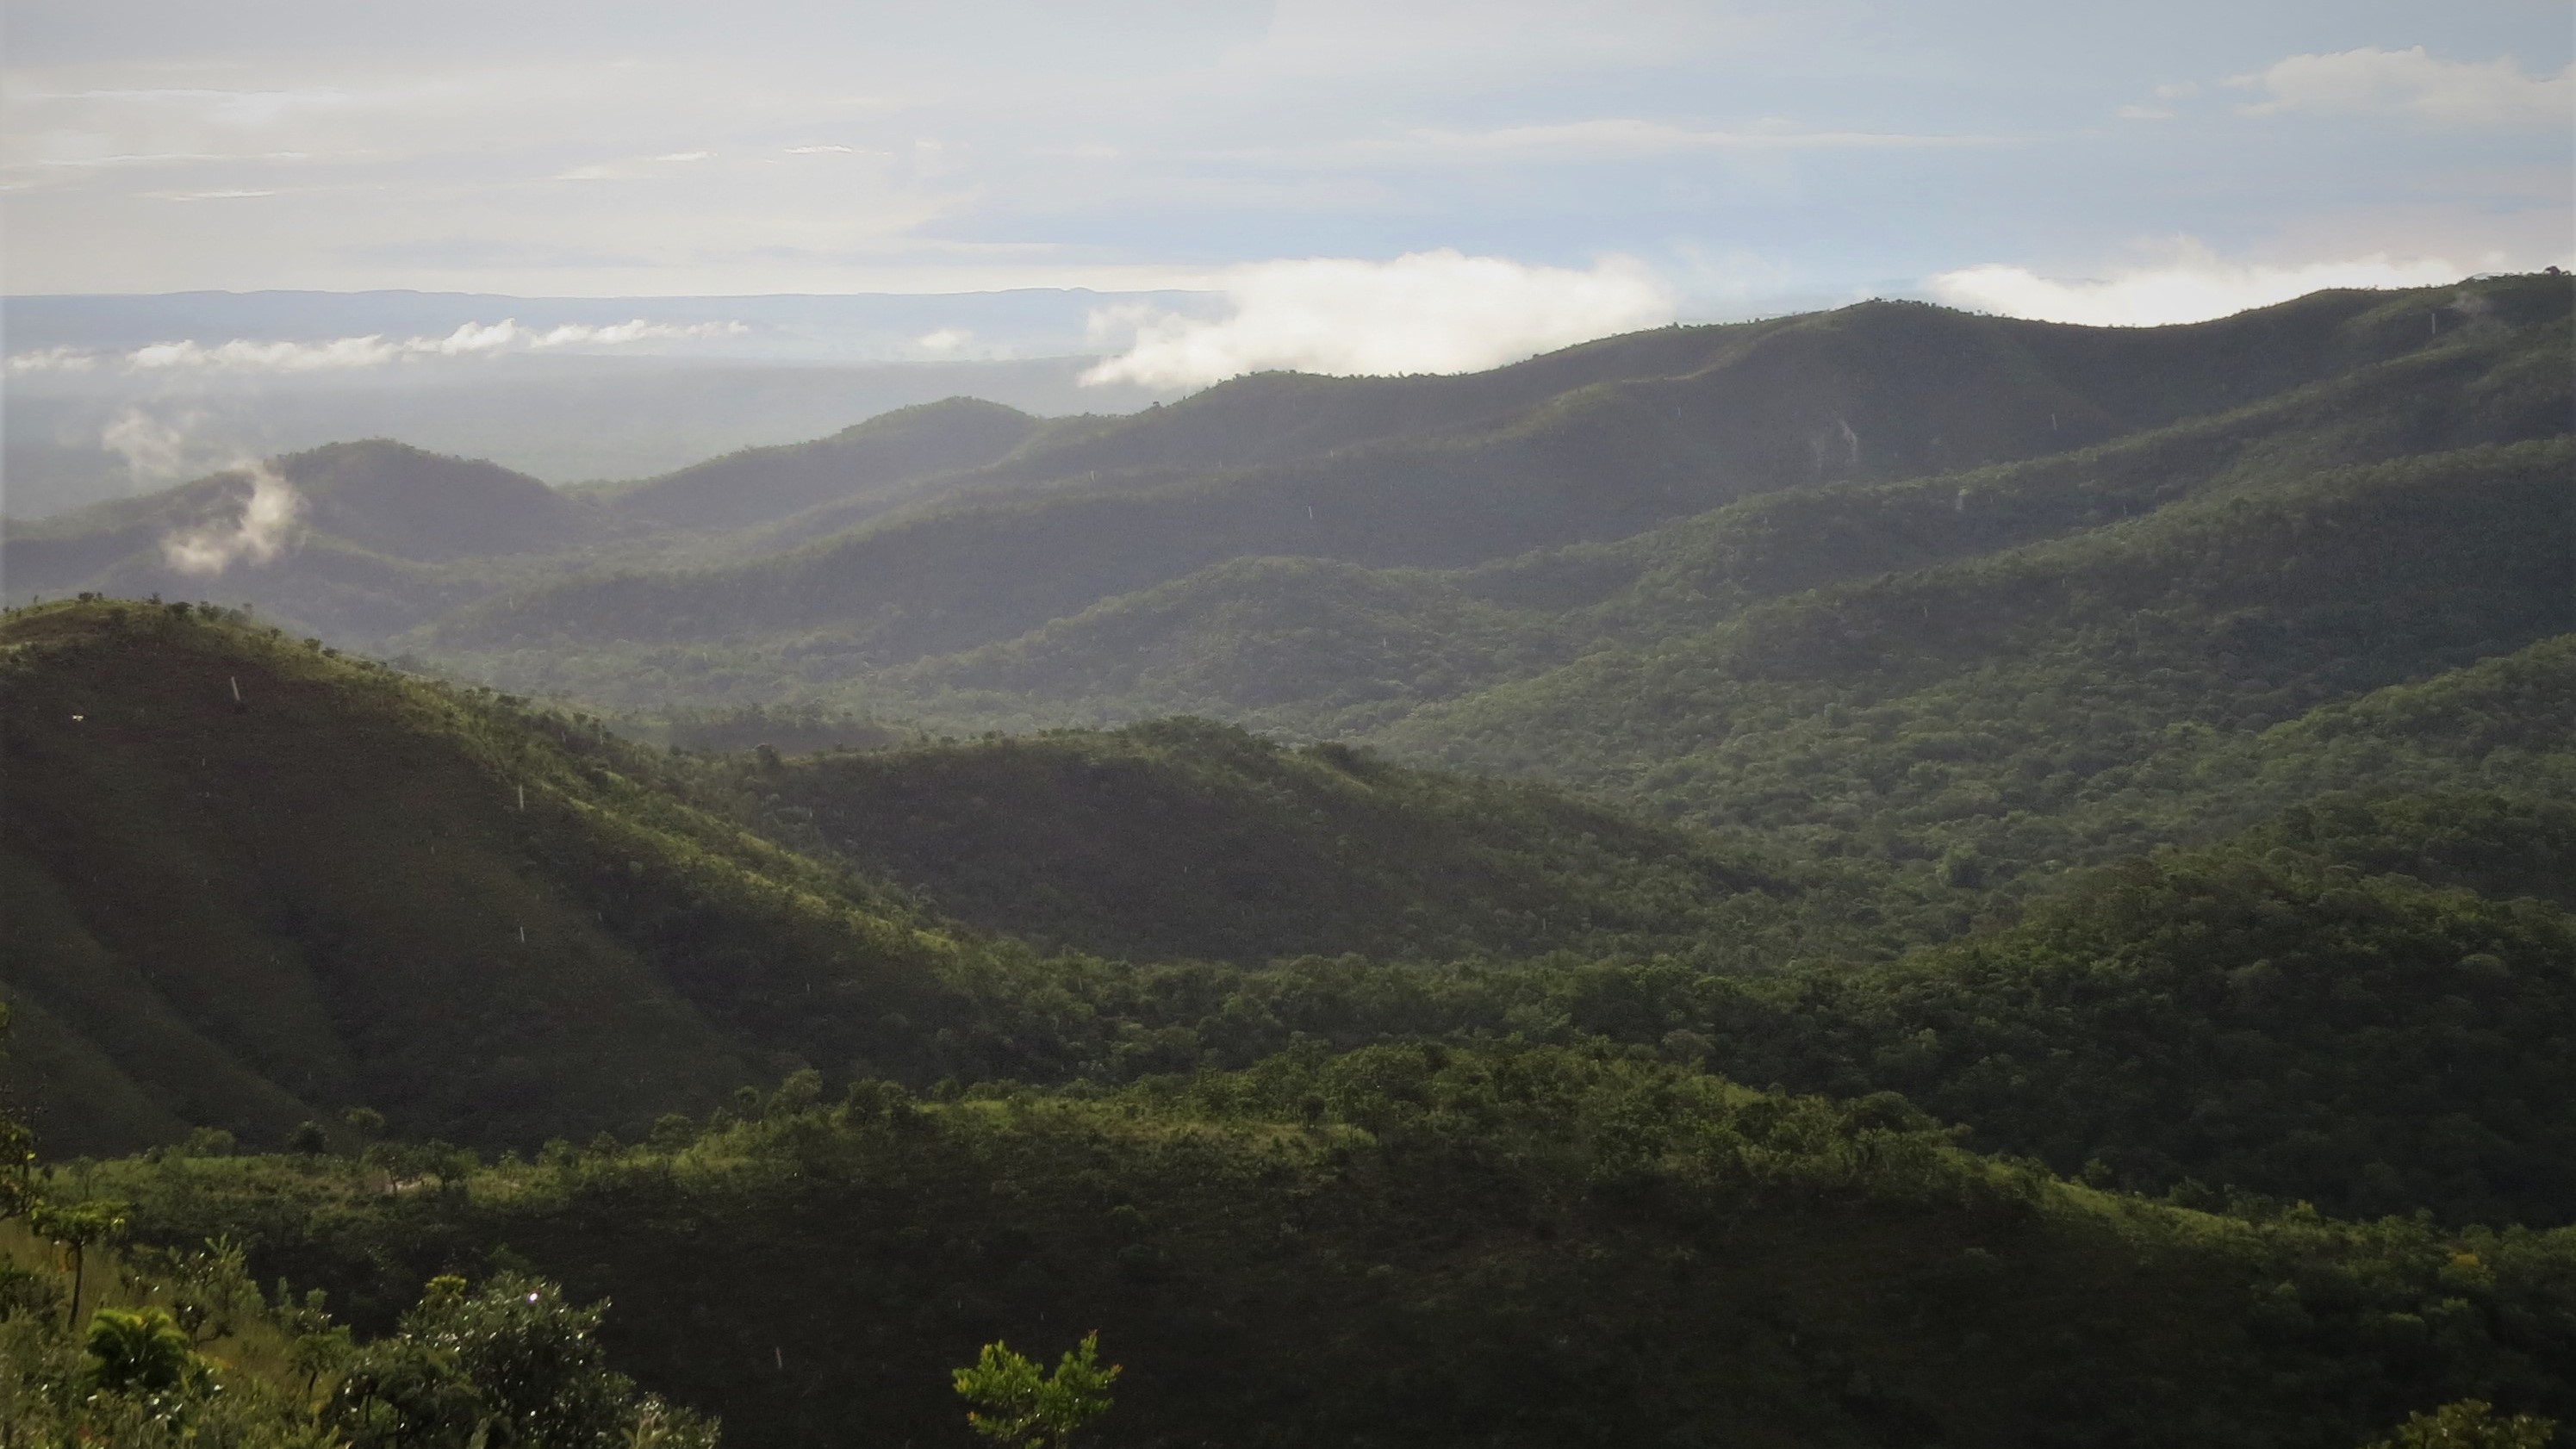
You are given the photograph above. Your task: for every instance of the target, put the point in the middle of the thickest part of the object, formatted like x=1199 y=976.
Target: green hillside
x=861 y=469
x=350 y=887
x=1878 y=391
x=1326 y=649
x=378 y=537
x=1960 y=704
x=370 y=541
x=1184 y=839
x=1322 y=640
x=388 y=499
x=1426 y=1246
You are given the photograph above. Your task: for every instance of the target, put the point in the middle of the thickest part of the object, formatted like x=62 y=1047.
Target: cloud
x=244 y=355
x=825 y=148
x=2145 y=113
x=2194 y=285
x=945 y=340
x=156 y=450
x=1437 y=311
x=471 y=339
x=2415 y=83
x=257 y=536
x=53 y=359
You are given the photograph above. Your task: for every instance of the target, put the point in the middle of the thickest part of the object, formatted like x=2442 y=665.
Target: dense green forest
x=1416 y=1244
x=1881 y=878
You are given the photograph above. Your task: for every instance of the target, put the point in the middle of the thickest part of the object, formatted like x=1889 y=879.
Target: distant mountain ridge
x=383 y=535
x=856 y=466
x=1639 y=431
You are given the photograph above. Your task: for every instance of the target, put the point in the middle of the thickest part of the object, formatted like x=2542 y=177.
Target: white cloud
x=945 y=340
x=156 y=450
x=257 y=536
x=2413 y=82
x=686 y=156
x=821 y=149
x=244 y=355
x=53 y=359
x=1437 y=311
x=471 y=339
x=2145 y=113
x=2192 y=286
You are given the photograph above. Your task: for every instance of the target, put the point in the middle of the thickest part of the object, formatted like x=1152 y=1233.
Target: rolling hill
x=1312 y=647
x=863 y=468
x=1485 y=471
x=252 y=882
x=249 y=884
x=367 y=539
x=1189 y=840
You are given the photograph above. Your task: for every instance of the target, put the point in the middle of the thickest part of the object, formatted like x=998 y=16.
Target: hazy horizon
x=1366 y=187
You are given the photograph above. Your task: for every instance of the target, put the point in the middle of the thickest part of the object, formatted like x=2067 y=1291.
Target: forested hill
x=251 y=882
x=1873 y=392
x=1873 y=1125
x=1185 y=839
x=864 y=468
x=1323 y=648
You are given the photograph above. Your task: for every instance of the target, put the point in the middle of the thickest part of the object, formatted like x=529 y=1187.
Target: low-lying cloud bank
x=472 y=339
x=2195 y=285
x=1438 y=311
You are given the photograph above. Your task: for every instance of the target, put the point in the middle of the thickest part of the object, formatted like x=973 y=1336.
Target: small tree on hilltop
x=1018 y=1408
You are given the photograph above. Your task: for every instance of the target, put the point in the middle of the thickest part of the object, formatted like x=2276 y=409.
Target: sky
x=1371 y=185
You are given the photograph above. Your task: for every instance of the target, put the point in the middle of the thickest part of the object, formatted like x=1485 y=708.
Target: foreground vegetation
x=1427 y=1245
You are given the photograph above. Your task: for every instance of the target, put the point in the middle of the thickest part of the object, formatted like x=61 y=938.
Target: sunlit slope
x=351 y=888
x=1184 y=839
x=1877 y=391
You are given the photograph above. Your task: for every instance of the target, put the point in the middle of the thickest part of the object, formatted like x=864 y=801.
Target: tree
x=138 y=1349
x=1018 y=1408
x=76 y=1226
x=2471 y=1424
x=511 y=1362
x=320 y=1345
